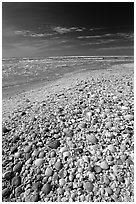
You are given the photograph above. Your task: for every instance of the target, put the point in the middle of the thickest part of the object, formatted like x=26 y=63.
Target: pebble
x=46 y=188
x=28 y=155
x=18 y=167
x=29 y=161
x=124 y=108
x=28 y=148
x=63 y=173
x=54 y=144
x=66 y=154
x=127 y=182
x=88 y=186
x=104 y=165
x=4 y=129
x=92 y=139
x=55 y=177
x=115 y=169
x=82 y=125
x=37 y=186
x=16 y=181
x=52 y=154
x=63 y=149
x=111 y=147
x=58 y=165
x=48 y=172
x=14 y=149
x=109 y=191
x=82 y=198
x=35 y=153
x=129 y=162
x=97 y=169
x=108 y=124
x=35 y=198
x=6 y=192
x=7 y=175
x=62 y=182
x=71 y=177
x=86 y=159
x=32 y=197
x=39 y=162
x=41 y=154
x=28 y=186
x=18 y=191
x=123 y=157
x=15 y=139
x=91 y=176
x=89 y=114
x=109 y=158
x=17 y=155
x=129 y=117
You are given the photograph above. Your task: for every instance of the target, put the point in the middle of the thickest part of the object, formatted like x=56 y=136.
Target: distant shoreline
x=39 y=92
x=17 y=86
x=78 y=56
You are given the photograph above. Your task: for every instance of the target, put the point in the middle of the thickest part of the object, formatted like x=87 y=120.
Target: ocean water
x=21 y=73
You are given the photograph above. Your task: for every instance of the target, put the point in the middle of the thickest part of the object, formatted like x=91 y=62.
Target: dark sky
x=53 y=29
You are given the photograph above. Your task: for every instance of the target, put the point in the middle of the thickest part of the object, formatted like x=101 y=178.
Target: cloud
x=91 y=43
x=90 y=36
x=129 y=36
x=27 y=33
x=57 y=30
x=120 y=35
x=100 y=42
x=93 y=29
x=63 y=30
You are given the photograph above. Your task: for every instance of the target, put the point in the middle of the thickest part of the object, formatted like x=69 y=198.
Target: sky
x=35 y=29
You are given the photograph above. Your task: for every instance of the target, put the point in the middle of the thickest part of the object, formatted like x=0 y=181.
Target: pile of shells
x=76 y=145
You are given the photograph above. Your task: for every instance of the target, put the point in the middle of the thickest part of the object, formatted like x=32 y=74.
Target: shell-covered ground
x=74 y=144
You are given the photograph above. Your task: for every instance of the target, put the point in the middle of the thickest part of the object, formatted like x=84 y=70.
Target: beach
x=71 y=139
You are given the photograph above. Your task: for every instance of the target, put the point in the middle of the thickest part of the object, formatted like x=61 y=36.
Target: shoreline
x=69 y=80
x=16 y=87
